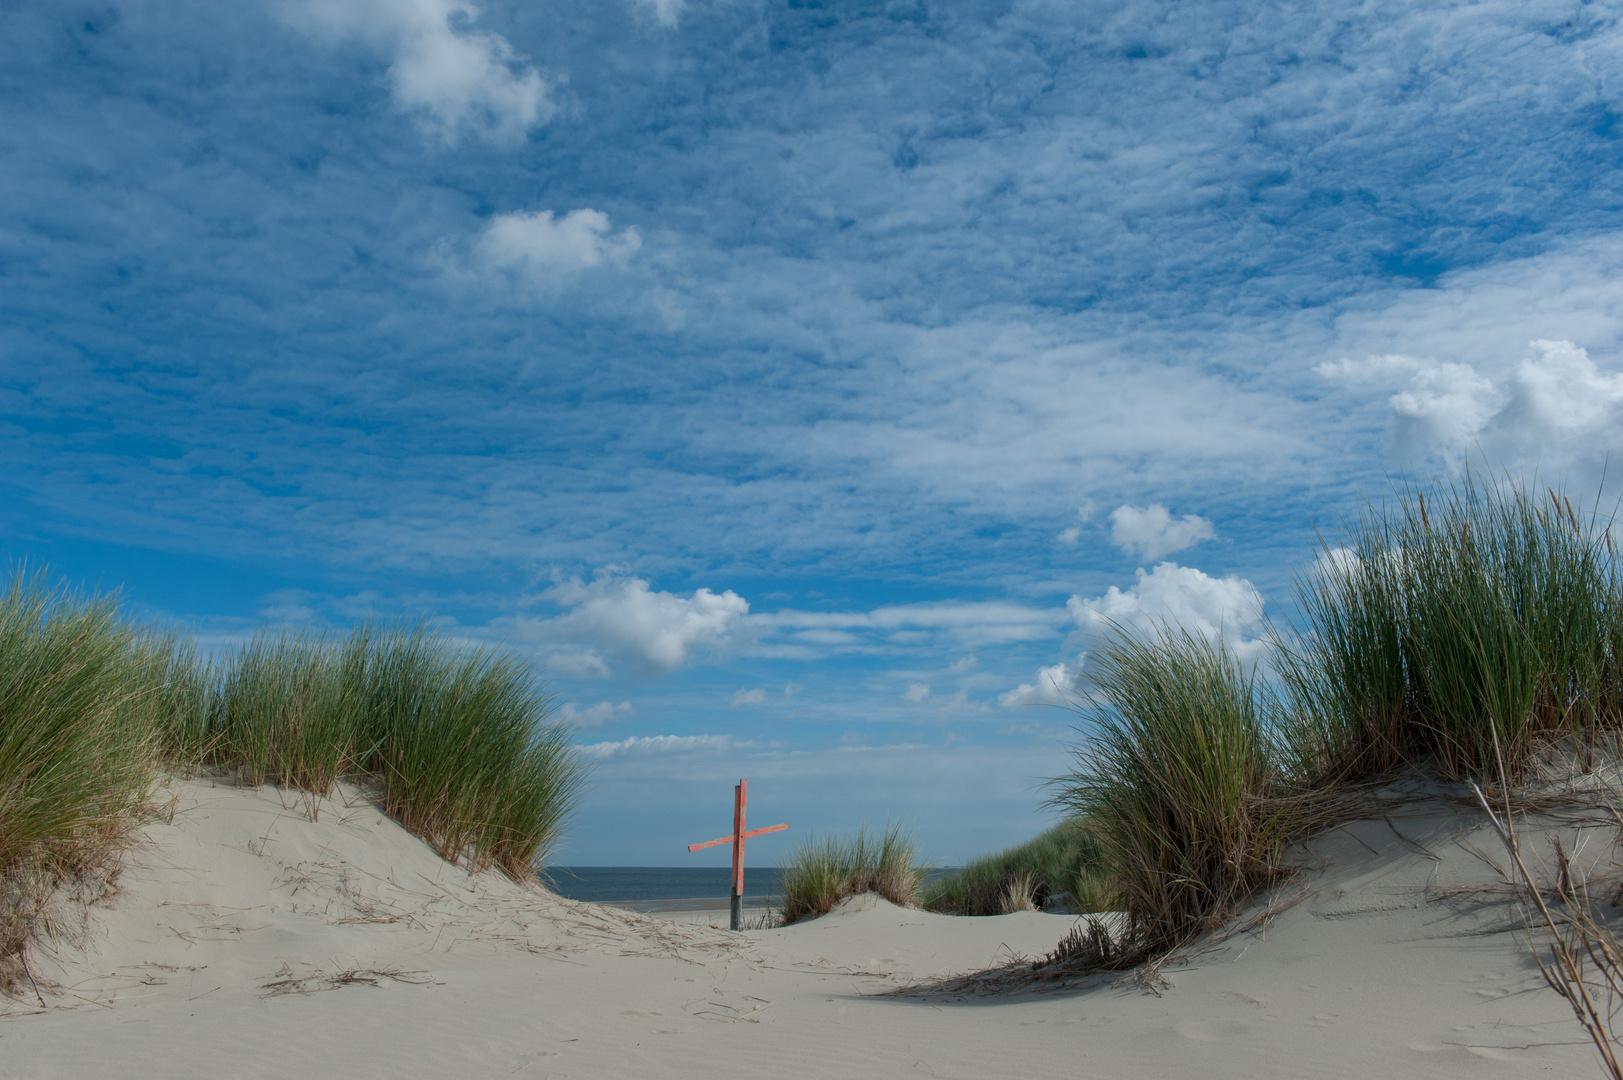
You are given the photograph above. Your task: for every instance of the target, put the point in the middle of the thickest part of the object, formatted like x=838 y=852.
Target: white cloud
x=661 y=745
x=1553 y=407
x=598 y=715
x=1558 y=396
x=1055 y=685
x=546 y=250
x=1084 y=514
x=455 y=78
x=1230 y=607
x=653 y=632
x=1151 y=532
x=748 y=697
x=1337 y=562
x=969 y=624
x=916 y=692
x=1442 y=402
x=664 y=12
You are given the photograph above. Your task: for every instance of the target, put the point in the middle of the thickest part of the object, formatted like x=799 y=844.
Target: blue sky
x=801 y=384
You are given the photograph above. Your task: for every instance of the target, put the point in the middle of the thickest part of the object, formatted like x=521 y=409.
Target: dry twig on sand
x=288 y=983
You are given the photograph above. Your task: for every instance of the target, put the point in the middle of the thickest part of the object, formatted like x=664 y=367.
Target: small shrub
x=824 y=871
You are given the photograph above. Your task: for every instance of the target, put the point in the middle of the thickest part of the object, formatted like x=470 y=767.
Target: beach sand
x=246 y=940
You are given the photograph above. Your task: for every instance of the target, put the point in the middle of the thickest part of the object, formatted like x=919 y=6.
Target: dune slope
x=247 y=940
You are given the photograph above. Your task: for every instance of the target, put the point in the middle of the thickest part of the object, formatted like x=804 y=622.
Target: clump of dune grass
x=1178 y=777
x=459 y=742
x=1064 y=859
x=287 y=712
x=79 y=687
x=463 y=747
x=1457 y=630
x=823 y=871
x=1447 y=615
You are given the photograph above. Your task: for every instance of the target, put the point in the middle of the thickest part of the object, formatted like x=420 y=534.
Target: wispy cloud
x=665 y=745
x=664 y=12
x=784 y=302
x=604 y=712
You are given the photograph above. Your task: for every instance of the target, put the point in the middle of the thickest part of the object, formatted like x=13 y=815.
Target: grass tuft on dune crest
x=459 y=742
x=81 y=697
x=1176 y=776
x=823 y=871
x=1456 y=630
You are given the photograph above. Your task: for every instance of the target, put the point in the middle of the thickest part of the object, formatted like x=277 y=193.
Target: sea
x=669 y=888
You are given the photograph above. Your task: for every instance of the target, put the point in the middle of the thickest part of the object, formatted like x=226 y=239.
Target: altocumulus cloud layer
x=803 y=385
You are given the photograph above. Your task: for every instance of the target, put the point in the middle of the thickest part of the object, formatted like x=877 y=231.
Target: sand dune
x=247 y=940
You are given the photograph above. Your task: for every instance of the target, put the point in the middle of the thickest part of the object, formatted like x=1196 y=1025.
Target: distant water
x=669 y=888
x=658 y=888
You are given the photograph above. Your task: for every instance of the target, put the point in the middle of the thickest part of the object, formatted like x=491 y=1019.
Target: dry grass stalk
x=1584 y=961
x=1019 y=893
x=1583 y=942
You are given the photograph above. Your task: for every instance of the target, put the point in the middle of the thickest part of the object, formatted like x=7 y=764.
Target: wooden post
x=740 y=794
x=738 y=836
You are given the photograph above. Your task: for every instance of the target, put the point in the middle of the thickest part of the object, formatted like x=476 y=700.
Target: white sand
x=217 y=957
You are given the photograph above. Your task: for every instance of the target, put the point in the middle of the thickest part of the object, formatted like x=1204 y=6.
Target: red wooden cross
x=738 y=836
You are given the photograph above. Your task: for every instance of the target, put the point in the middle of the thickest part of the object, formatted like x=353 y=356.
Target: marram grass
x=823 y=871
x=1176 y=778
x=80 y=697
x=1064 y=859
x=1444 y=616
x=1455 y=630
x=459 y=743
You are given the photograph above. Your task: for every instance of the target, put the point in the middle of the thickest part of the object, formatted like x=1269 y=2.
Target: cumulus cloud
x=1229 y=608
x=748 y=697
x=546 y=250
x=453 y=77
x=604 y=712
x=1055 y=685
x=1554 y=407
x=1151 y=531
x=624 y=619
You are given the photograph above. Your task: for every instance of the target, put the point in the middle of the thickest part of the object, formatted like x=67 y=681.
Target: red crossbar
x=729 y=839
x=737 y=838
